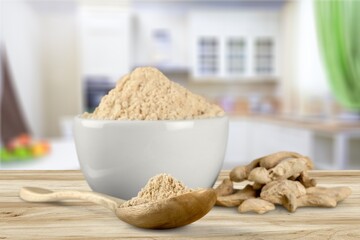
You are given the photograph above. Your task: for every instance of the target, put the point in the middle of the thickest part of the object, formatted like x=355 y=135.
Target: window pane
x=208 y=55
x=236 y=55
x=264 y=48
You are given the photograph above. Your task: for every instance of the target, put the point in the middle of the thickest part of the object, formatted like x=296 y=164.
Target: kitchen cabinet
x=244 y=45
x=268 y=138
x=339 y=150
x=250 y=139
x=238 y=144
x=330 y=146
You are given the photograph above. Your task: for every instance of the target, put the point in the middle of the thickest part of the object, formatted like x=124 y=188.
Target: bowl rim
x=79 y=118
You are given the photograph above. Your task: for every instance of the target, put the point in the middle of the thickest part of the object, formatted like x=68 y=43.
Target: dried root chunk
x=290 y=202
x=259 y=175
x=257 y=205
x=278 y=192
x=236 y=198
x=280 y=178
x=272 y=160
x=337 y=193
x=309 y=163
x=225 y=188
x=257 y=186
x=240 y=173
x=308 y=200
x=322 y=197
x=305 y=180
x=253 y=164
x=313 y=200
x=292 y=167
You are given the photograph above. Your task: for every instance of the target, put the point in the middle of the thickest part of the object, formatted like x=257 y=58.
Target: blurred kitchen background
x=262 y=61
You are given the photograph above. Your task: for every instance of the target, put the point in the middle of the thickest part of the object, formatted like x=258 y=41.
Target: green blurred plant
x=338 y=25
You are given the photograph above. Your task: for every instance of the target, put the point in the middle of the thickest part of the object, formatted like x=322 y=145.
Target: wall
x=287 y=91
x=21 y=35
x=311 y=80
x=41 y=41
x=304 y=84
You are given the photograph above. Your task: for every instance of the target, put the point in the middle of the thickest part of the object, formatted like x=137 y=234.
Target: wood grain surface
x=80 y=220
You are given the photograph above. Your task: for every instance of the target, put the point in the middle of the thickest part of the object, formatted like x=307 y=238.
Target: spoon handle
x=33 y=194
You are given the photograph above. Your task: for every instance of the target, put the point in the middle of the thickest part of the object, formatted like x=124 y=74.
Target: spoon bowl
x=167 y=213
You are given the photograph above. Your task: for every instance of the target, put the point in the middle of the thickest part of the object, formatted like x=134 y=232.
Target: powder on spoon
x=147 y=94
x=159 y=187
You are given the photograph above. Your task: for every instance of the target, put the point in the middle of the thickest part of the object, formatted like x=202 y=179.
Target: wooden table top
x=80 y=220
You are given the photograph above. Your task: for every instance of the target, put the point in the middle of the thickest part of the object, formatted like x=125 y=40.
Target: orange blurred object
x=24 y=139
x=19 y=141
x=38 y=150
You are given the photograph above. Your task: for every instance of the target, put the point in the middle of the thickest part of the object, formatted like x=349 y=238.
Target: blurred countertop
x=62 y=156
x=314 y=123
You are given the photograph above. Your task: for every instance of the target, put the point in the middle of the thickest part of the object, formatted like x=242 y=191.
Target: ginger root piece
x=309 y=163
x=338 y=193
x=284 y=190
x=259 y=175
x=291 y=167
x=257 y=186
x=314 y=197
x=280 y=178
x=272 y=160
x=253 y=164
x=240 y=173
x=305 y=180
x=236 y=198
x=321 y=197
x=225 y=188
x=314 y=200
x=257 y=205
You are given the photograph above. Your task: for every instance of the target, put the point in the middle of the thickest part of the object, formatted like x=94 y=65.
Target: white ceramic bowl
x=118 y=157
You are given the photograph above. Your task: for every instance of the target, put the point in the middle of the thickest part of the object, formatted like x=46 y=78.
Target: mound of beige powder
x=146 y=94
x=159 y=187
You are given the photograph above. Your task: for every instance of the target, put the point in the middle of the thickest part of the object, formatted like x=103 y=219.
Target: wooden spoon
x=168 y=213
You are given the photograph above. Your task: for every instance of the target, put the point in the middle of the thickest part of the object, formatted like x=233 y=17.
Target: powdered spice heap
x=159 y=187
x=146 y=94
